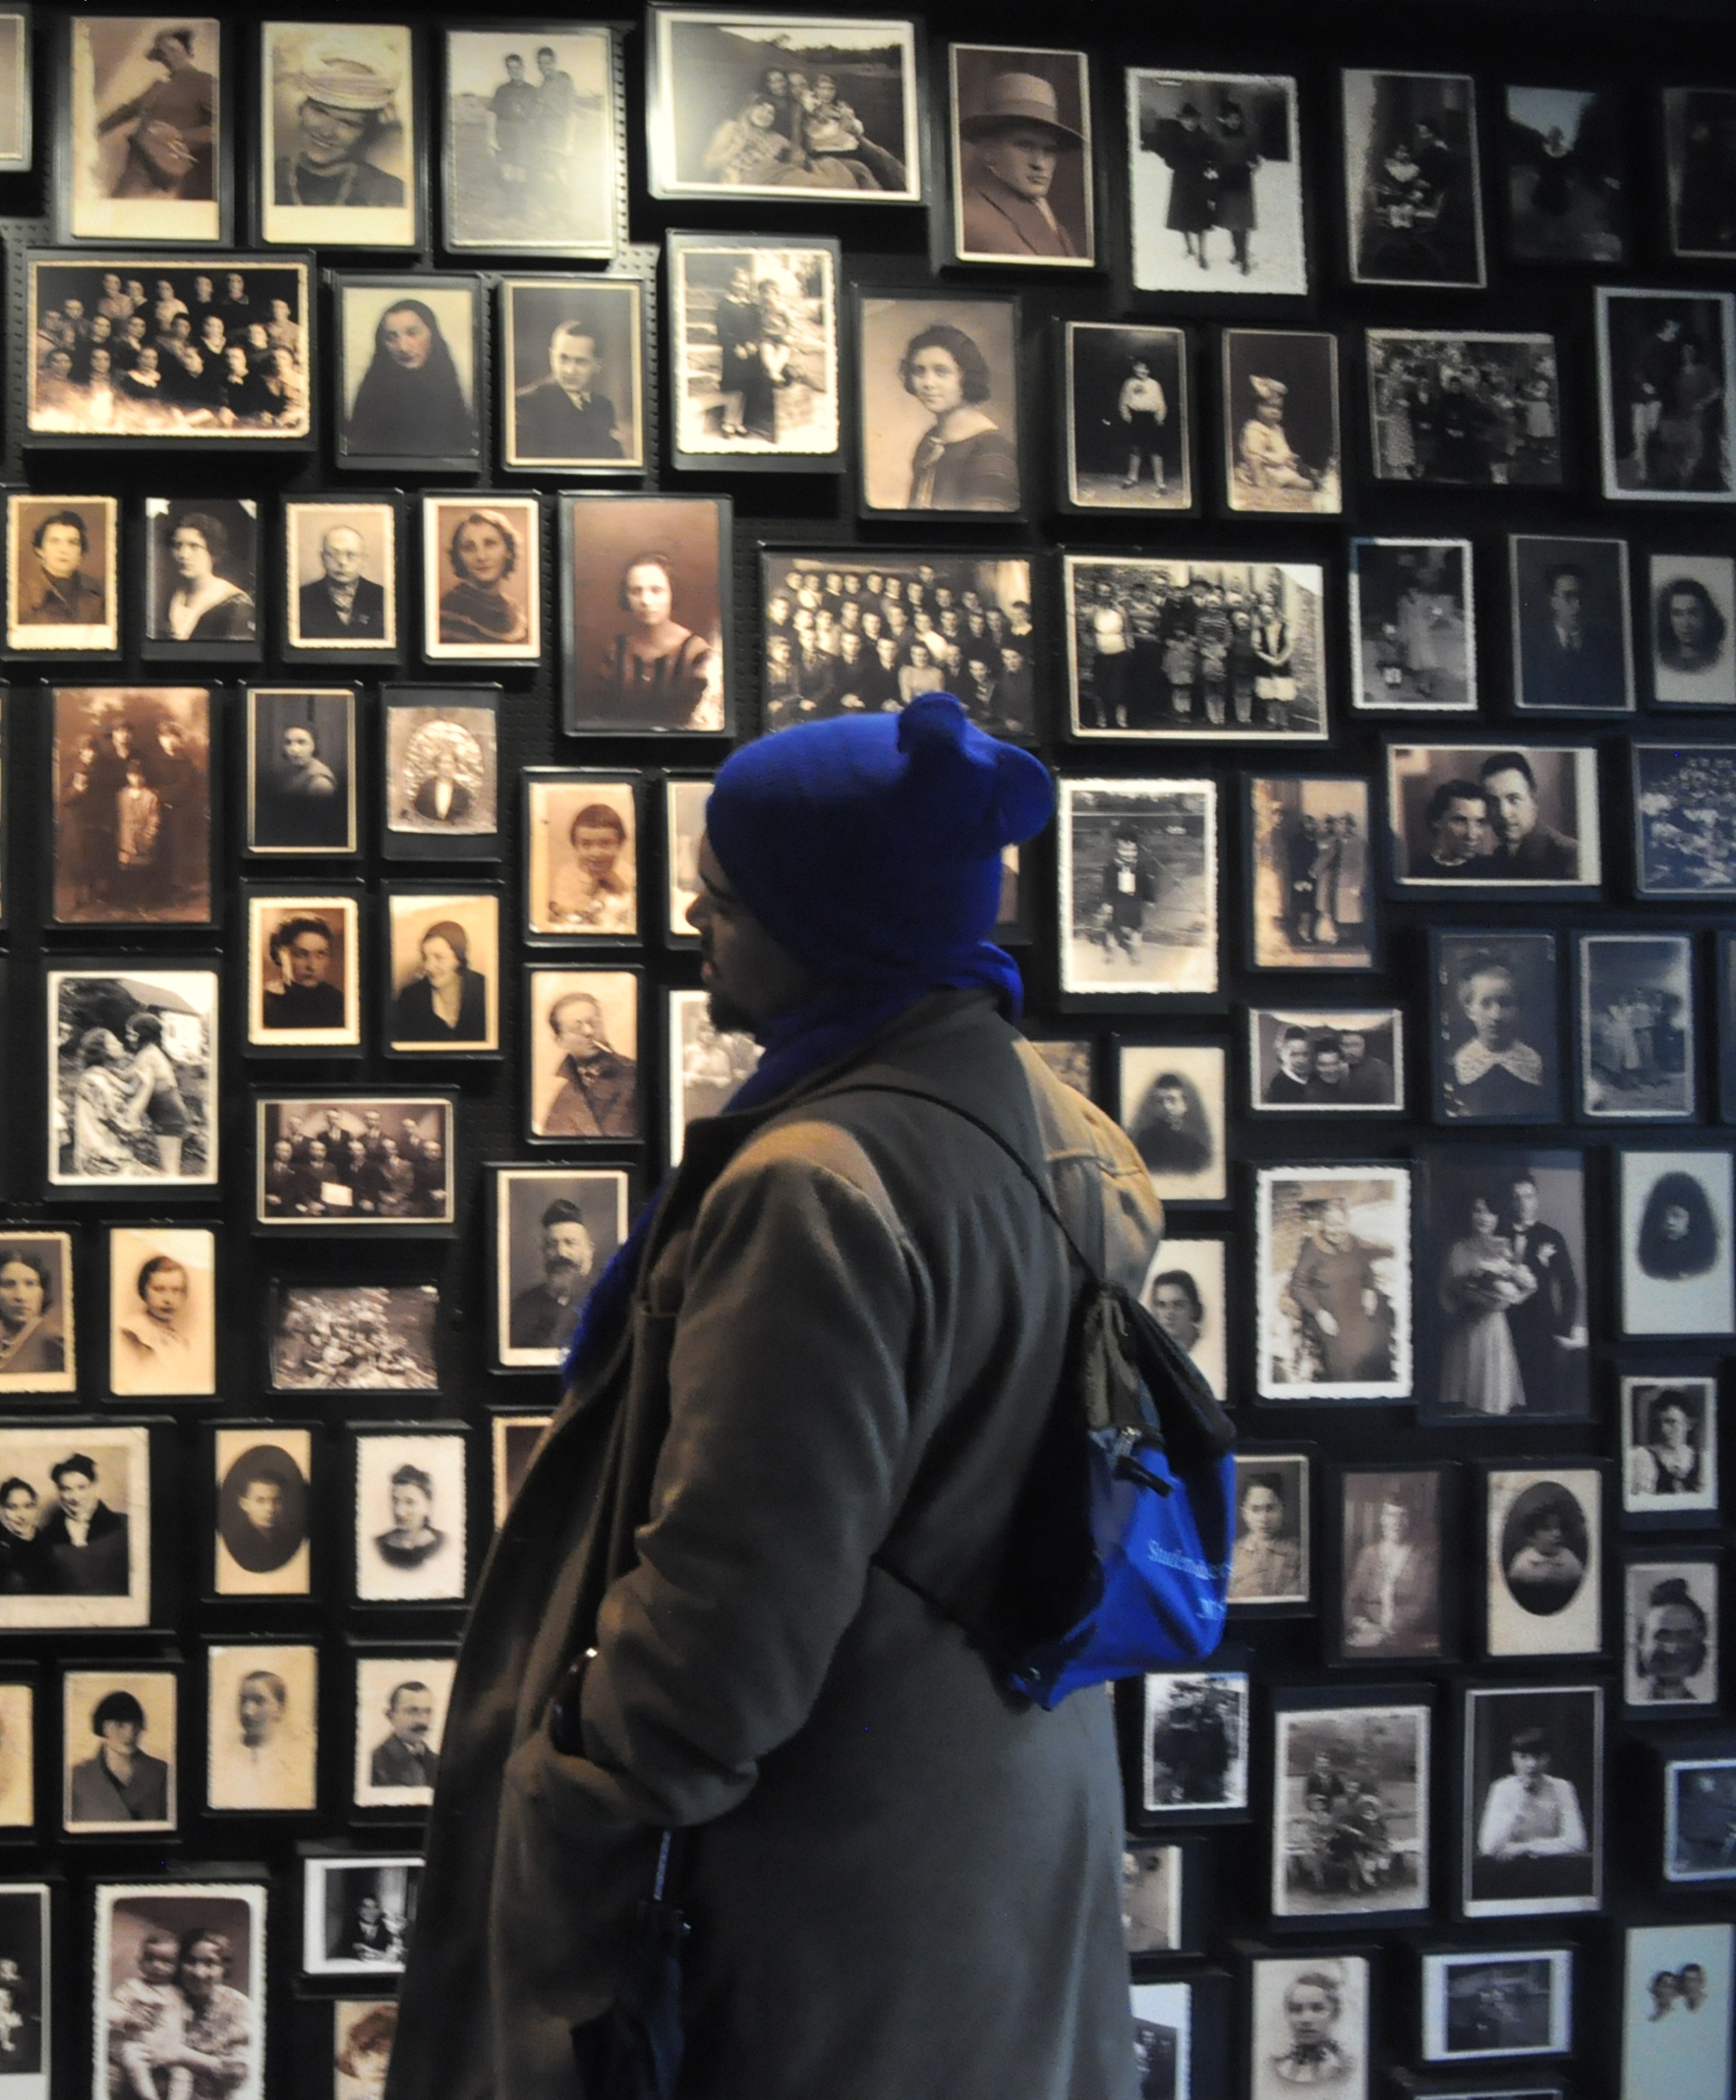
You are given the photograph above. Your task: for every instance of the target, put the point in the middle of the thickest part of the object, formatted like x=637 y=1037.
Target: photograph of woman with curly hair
x=1675 y=1225
x=481 y=564
x=939 y=404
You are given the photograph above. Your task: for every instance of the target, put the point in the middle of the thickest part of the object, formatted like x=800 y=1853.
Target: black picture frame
x=620 y=1003
x=617 y=315
x=148 y=1365
x=1187 y=1153
x=513 y=1438
x=703 y=1065
x=44 y=1360
x=1681 y=798
x=424 y=1672
x=1366 y=1356
x=1210 y=1776
x=291 y=1670
x=477 y=912
x=1697 y=1783
x=27 y=1934
x=1380 y=1610
x=1546 y=1547
x=1370 y=1085
x=1672 y=1611
x=220 y=1897
x=1176 y=2008
x=278 y=1212
x=447 y=427
x=1683 y=461
x=1285 y=881
x=1191 y=1286
x=126 y=1586
x=1636 y=1026
x=1518 y=447
x=1412 y=622
x=424 y=732
x=993 y=223
x=1267 y=1581
x=992 y=481
x=237 y=1563
x=1571 y=625
x=519 y=1196
x=586 y=905
x=1517 y=1971
x=1563 y=862
x=1569 y=1720
x=1169 y=1920
x=1725 y=1033
x=682 y=799
x=1494 y=1026
x=325 y=1869
x=383 y=73
x=1566 y=201
x=6 y=708
x=312 y=627
x=234 y=624
x=1365 y=1821
x=303 y=812
x=264 y=1034
x=1098 y=473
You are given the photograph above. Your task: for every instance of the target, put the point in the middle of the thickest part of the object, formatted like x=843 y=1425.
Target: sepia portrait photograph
x=132 y=805
x=572 y=377
x=15 y=99
x=362 y=2031
x=1282 y=444
x=1270 y=1554
x=442 y=777
x=409 y=371
x=1565 y=168
x=1129 y=419
x=263 y=1478
x=754 y=353
x=18 y=1766
x=1691 y=618
x=706 y=1065
x=356 y=1161
x=1394 y=1540
x=1684 y=812
x=1476 y=816
x=339 y=136
x=1414 y=626
x=516 y=1439
x=62 y=559
x=1700 y=1819
x=1216 y=182
x=1571 y=625
x=582 y=1053
x=1544 y=1532
x=201 y=348
x=145 y=149
x=1676 y=1222
x=262 y=1728
x=938 y=403
x=645 y=599
x=1323 y=1061
x=582 y=855
x=304 y=971
x=1024 y=178
x=1670 y=1447
x=120 y=1766
x=1666 y=373
x=802 y=108
x=352 y=1337
x=556 y=1229
x=1310 y=2024
x=1311 y=888
x=301 y=771
x=1151 y=1897
x=1636 y=1026
x=1139 y=886
x=1173 y=1106
x=340 y=576
x=410 y=1516
x=1412 y=185
x=201 y=577
x=75 y=1528
x=1334 y=1279
x=1495 y=2004
x=1187 y=1292
x=1496 y=1049
x=1464 y=409
x=1676 y=2010
x=132 y=1079
x=181 y=1973
x=357 y=1911
x=1700 y=127
x=1351 y=1785
x=163 y=1314
x=533 y=145
x=39 y=1337
x=443 y=971
x=1670 y=1637
x=482 y=573
x=1195 y=1740
x=401 y=1706
x=1195 y=650
x=1532 y=1829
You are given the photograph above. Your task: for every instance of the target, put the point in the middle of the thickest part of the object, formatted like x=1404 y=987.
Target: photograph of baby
x=179 y=1986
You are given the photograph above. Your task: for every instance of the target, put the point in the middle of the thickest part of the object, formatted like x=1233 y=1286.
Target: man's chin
x=726 y=1017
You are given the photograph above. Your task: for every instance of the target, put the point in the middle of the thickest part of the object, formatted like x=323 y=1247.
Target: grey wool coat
x=843 y=1351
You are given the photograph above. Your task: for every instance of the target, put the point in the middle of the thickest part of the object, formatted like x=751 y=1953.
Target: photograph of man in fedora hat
x=1022 y=156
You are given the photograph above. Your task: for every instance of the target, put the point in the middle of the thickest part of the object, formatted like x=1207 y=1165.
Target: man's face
x=1263 y=1512
x=328 y=135
x=61 y=551
x=411 y=1717
x=1671 y=1644
x=749 y=976
x=261 y=1503
x=78 y=1494
x=573 y=360
x=1525 y=1203
x=1513 y=807
x=309 y=953
x=1567 y=601
x=1458 y=829
x=1688 y=620
x=1024 y=157
x=567 y=1252
x=165 y=1292
x=1295 y=1056
x=578 y=1027
x=258 y=1710
x=340 y=554
x=596 y=848
x=19 y=1513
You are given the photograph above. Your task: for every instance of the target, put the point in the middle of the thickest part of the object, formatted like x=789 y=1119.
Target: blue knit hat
x=870 y=847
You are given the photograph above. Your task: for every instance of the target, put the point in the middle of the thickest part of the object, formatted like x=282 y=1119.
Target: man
x=300 y=996
x=1126 y=886
x=1527 y=849
x=1172 y=1140
x=158 y=1348
x=83 y=1542
x=63 y=596
x=1575 y=657
x=1672 y=1644
x=342 y=602
x=1018 y=139
x=1346 y=1315
x=848 y=1338
x=558 y=115
x=1457 y=817
x=1302 y=848
x=347 y=90
x=513 y=108
x=169 y=148
x=259 y=1535
x=1293 y=1082
x=543 y=1314
x=599 y=1092
x=563 y=416
x=442 y=797
x=266 y=1769
x=591 y=892
x=1546 y=1334
x=406 y=1758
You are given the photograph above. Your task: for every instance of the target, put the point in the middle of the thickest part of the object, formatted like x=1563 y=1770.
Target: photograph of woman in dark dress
x=965 y=461
x=446 y=1001
x=203 y=605
x=656 y=672
x=1190 y=155
x=483 y=552
x=1668 y=1462
x=1234 y=157
x=411 y=403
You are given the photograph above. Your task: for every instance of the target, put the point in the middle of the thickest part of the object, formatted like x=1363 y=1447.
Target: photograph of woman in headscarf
x=414 y=401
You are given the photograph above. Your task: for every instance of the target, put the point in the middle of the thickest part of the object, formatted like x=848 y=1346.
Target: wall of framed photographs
x=426 y=448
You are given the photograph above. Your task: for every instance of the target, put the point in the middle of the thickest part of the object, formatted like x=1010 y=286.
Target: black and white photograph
x=1670 y=1447
x=1635 y=1027
x=1413 y=626
x=1571 y=625
x=201 y=577
x=1700 y=1819
x=262 y=1479
x=147 y=146
x=353 y=1337
x=533 y=141
x=1465 y=408
x=1496 y=1048
x=754 y=353
x=1310 y=2020
x=937 y=403
x=1163 y=2039
x=1198 y=650
x=684 y=803
x=1676 y=1220
x=15 y=101
x=1531 y=1817
x=1350 y=1823
x=1666 y=371
x=1270 y=1560
x=301 y=771
x=262 y=1727
x=1283 y=449
x=1194 y=1741
x=581 y=855
x=1187 y=1292
x=440 y=783
x=1216 y=183
x=132 y=805
x=1685 y=820
x=180 y=1983
x=75 y=1527
x=1479 y=816
x=1326 y=1060
x=1174 y=1106
x=354 y=1162
x=24 y=1962
x=1310 y=888
x=162 y=1311
x=1024 y=171
x=120 y=1761
x=1139 y=886
x=555 y=1231
x=1700 y=160
x=340 y=576
x=572 y=372
x=1690 y=613
x=409 y=378
x=645 y=582
x=706 y=1065
x=339 y=137
x=1726 y=1034
x=132 y=1079
x=1393 y=1551
x=582 y=1055
x=1151 y=1897
x=1493 y=2004
x=200 y=349
x=357 y=1911
x=1502 y=1248
x=844 y=633
x=442 y=972
x=1676 y=2010
x=515 y=1440
x=1334 y=1277
x=1670 y=1636
x=410 y=1516
x=1412 y=185
x=38 y=1335
x=1544 y=1527
x=804 y=108
x=1566 y=177
x=401 y=1706
x=61 y=559
x=304 y=973
x=482 y=571
x=1130 y=440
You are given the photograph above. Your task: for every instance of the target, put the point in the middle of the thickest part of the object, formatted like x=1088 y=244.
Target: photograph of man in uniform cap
x=340 y=130
x=1022 y=156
